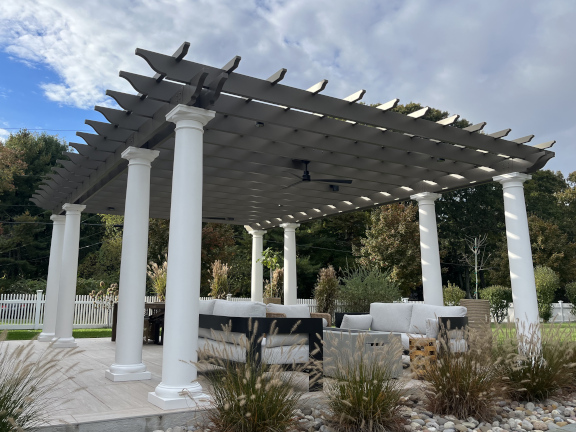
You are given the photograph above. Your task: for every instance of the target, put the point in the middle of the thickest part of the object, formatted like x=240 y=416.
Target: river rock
x=540 y=425
x=526 y=425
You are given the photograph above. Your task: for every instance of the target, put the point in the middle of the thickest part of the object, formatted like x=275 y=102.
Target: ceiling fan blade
x=295 y=175
x=293 y=184
x=333 y=181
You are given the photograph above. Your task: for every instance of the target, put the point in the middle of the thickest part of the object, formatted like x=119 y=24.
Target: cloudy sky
x=511 y=64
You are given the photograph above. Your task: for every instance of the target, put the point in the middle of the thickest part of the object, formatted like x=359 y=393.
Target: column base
x=127 y=376
x=168 y=397
x=46 y=337
x=64 y=343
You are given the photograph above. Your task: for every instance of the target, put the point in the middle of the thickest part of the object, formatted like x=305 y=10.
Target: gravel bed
x=510 y=416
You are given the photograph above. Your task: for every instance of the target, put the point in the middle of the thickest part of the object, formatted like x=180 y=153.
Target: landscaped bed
x=77 y=333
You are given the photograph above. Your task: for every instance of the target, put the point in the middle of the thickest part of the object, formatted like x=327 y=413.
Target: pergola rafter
x=255 y=145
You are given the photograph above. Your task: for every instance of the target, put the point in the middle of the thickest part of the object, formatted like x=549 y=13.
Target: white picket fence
x=26 y=311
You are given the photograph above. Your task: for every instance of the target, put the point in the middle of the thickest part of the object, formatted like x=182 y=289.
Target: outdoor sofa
x=225 y=327
x=410 y=320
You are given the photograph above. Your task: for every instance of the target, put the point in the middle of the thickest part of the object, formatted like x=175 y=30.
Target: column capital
x=73 y=208
x=289 y=226
x=425 y=197
x=58 y=219
x=255 y=232
x=185 y=112
x=512 y=179
x=140 y=156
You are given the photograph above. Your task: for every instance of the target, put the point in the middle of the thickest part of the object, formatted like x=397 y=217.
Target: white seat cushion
x=291 y=311
x=422 y=312
x=244 y=309
x=391 y=317
x=356 y=322
x=276 y=355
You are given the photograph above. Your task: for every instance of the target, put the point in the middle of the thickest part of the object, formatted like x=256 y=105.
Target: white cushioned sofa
x=247 y=319
x=410 y=320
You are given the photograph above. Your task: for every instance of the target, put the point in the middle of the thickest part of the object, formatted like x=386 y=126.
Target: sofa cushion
x=244 y=309
x=207 y=307
x=392 y=317
x=356 y=322
x=422 y=312
x=291 y=311
x=432 y=328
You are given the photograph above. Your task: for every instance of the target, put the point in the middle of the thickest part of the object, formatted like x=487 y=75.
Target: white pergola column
x=68 y=276
x=128 y=364
x=290 y=287
x=520 y=253
x=184 y=249
x=429 y=252
x=53 y=279
x=257 y=281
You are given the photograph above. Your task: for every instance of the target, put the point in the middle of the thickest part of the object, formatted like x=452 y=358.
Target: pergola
x=200 y=143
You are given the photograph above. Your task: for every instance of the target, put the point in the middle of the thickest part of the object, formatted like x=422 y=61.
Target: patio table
x=342 y=345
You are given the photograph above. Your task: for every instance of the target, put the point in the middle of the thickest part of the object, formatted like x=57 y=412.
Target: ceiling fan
x=306 y=177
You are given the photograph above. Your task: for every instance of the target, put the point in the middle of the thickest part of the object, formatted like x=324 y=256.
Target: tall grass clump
x=219 y=287
x=364 y=285
x=248 y=397
x=158 y=275
x=464 y=383
x=499 y=297
x=540 y=364
x=363 y=396
x=27 y=384
x=326 y=291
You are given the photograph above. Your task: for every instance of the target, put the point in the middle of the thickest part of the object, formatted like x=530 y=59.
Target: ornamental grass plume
x=158 y=274
x=541 y=363
x=464 y=382
x=326 y=290
x=250 y=396
x=363 y=396
x=27 y=383
x=219 y=287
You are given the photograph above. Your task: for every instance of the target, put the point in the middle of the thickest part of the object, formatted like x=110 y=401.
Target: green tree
x=392 y=243
x=547 y=283
x=11 y=164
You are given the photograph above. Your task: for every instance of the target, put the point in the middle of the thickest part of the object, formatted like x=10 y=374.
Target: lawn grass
x=77 y=333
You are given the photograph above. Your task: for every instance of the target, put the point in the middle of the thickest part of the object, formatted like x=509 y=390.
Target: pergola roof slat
x=256 y=144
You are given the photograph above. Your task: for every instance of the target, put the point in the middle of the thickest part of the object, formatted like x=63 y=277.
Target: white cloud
x=4 y=134
x=511 y=64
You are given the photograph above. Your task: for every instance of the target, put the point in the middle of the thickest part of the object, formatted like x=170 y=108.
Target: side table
x=341 y=345
x=422 y=352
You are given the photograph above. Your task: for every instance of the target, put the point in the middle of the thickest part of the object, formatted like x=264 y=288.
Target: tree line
x=385 y=237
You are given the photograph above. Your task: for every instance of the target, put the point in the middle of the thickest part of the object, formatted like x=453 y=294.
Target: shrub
x=363 y=395
x=571 y=295
x=363 y=286
x=251 y=396
x=26 y=388
x=86 y=286
x=548 y=366
x=547 y=282
x=25 y=286
x=452 y=294
x=326 y=291
x=464 y=384
x=158 y=274
x=499 y=297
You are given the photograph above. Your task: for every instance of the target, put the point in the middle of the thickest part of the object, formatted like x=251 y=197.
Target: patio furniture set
x=289 y=335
